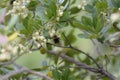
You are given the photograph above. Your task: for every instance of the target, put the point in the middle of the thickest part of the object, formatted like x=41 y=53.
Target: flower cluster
x=52 y=32
x=19 y=8
x=39 y=39
x=8 y=51
x=59 y=12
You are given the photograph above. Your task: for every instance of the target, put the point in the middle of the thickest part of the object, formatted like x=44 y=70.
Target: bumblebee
x=56 y=39
x=11 y=2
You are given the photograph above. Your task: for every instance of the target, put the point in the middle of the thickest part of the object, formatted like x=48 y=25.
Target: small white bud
x=57 y=19
x=79 y=6
x=3 y=50
x=38 y=45
x=36 y=33
x=42 y=37
x=23 y=7
x=61 y=13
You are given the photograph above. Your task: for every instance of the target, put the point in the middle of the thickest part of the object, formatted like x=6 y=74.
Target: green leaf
x=115 y=3
x=32 y=5
x=74 y=10
x=65 y=74
x=105 y=29
x=30 y=25
x=102 y=6
x=73 y=2
x=65 y=17
x=89 y=8
x=100 y=24
x=87 y=61
x=51 y=10
x=83 y=36
x=86 y=21
x=71 y=37
x=13 y=21
x=77 y=24
x=95 y=18
x=56 y=74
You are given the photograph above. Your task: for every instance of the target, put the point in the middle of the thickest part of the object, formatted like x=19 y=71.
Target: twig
x=11 y=61
x=23 y=69
x=83 y=65
x=70 y=46
x=77 y=51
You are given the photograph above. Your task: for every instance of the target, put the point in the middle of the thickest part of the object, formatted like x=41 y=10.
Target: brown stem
x=23 y=69
x=83 y=65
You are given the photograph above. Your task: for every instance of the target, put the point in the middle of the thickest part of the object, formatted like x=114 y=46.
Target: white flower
x=42 y=37
x=2 y=50
x=4 y=57
x=37 y=33
x=19 y=8
x=115 y=17
x=15 y=51
x=52 y=32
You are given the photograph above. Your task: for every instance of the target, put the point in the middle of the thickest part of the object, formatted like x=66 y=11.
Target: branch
x=77 y=51
x=83 y=65
x=23 y=69
x=68 y=41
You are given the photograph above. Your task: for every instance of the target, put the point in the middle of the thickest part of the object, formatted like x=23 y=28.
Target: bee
x=56 y=39
x=11 y=2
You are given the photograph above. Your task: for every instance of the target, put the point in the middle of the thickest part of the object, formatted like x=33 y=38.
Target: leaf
x=95 y=17
x=30 y=25
x=86 y=21
x=51 y=10
x=65 y=17
x=56 y=74
x=32 y=5
x=71 y=37
x=89 y=8
x=73 y=2
x=49 y=47
x=65 y=74
x=105 y=29
x=13 y=21
x=102 y=6
x=100 y=24
x=87 y=61
x=74 y=10
x=83 y=36
x=77 y=24
x=115 y=3
x=56 y=60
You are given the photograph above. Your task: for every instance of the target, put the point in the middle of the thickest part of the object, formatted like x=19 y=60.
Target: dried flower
x=3 y=39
